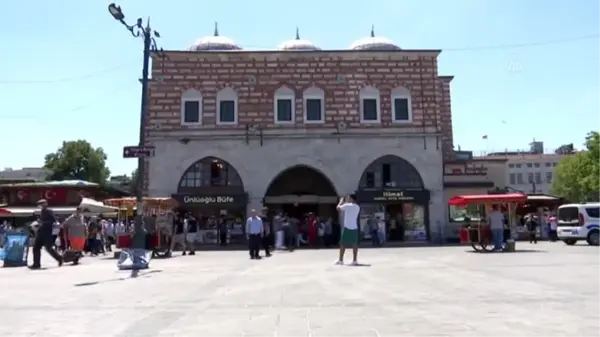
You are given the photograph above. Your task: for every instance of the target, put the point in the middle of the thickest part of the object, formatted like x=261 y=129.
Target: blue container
x=16 y=249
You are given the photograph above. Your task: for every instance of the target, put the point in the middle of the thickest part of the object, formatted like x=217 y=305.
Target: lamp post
x=148 y=35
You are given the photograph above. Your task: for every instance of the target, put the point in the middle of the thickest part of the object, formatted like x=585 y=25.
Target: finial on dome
x=216 y=28
x=372 y=30
x=297 y=33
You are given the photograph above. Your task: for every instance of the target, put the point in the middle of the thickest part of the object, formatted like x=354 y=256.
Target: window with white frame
x=284 y=102
x=314 y=105
x=369 y=105
x=401 y=105
x=227 y=107
x=191 y=107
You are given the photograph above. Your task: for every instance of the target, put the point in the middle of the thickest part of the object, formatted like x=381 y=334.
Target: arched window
x=391 y=172
x=210 y=171
x=191 y=107
x=284 y=102
x=370 y=111
x=227 y=107
x=401 y=105
x=314 y=105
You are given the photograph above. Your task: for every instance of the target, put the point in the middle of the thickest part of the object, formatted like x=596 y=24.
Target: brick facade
x=340 y=74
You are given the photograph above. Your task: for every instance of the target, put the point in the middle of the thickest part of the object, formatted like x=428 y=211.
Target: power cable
x=68 y=79
x=462 y=49
x=525 y=45
x=68 y=112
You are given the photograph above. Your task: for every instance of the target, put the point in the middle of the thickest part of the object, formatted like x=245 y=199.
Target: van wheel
x=593 y=238
x=570 y=242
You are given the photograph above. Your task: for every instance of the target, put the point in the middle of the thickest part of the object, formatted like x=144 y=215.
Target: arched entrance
x=211 y=191
x=301 y=189
x=392 y=190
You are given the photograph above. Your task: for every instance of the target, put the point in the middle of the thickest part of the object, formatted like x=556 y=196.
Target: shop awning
x=487 y=198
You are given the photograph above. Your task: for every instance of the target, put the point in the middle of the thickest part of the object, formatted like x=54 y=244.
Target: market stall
x=157 y=217
x=478 y=233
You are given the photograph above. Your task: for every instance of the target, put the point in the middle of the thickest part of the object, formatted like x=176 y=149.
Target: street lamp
x=148 y=35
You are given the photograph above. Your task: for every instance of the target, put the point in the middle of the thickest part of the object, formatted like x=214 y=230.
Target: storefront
x=406 y=212
x=209 y=209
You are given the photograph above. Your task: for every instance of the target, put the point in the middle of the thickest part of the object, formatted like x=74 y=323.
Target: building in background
x=532 y=171
x=25 y=174
x=296 y=127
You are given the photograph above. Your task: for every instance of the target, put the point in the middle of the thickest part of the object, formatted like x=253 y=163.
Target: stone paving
x=427 y=291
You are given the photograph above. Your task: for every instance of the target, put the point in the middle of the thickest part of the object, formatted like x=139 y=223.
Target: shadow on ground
x=514 y=252
x=133 y=274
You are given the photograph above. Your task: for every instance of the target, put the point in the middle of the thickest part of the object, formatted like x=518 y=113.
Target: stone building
x=298 y=126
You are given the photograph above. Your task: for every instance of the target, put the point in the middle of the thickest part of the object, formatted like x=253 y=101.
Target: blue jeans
x=497 y=238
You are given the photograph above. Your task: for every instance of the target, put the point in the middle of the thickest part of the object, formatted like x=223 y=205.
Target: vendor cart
x=156 y=213
x=478 y=234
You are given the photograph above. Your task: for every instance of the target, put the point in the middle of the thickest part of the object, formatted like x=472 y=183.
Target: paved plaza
x=425 y=291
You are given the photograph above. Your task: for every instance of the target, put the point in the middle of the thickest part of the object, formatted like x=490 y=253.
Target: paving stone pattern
x=427 y=291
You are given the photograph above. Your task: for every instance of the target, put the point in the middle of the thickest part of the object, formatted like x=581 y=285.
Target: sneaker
x=354 y=263
x=339 y=263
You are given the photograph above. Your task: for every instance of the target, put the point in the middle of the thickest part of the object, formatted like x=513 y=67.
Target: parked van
x=579 y=222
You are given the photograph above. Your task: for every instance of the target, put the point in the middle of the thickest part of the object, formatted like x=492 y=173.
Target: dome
x=374 y=43
x=298 y=44
x=214 y=43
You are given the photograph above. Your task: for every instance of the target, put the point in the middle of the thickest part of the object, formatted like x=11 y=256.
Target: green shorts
x=349 y=237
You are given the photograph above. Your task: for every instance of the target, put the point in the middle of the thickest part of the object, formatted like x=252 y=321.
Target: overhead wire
x=71 y=78
x=459 y=49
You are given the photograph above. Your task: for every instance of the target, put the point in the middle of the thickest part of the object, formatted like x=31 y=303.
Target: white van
x=579 y=222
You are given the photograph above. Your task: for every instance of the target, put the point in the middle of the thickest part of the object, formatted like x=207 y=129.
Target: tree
x=78 y=160
x=577 y=177
x=133 y=182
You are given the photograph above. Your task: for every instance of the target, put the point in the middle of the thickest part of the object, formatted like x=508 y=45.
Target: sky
x=524 y=69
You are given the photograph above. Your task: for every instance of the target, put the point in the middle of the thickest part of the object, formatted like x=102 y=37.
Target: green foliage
x=577 y=177
x=78 y=160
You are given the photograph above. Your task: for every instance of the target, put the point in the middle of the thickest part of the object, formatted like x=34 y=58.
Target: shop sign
x=199 y=200
x=391 y=196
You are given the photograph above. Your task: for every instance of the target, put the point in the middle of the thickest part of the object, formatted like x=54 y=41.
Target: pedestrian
x=74 y=234
x=349 y=235
x=531 y=224
x=43 y=236
x=266 y=235
x=222 y=228
x=254 y=233
x=496 y=221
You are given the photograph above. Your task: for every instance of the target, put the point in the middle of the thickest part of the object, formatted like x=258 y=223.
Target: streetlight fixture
x=148 y=35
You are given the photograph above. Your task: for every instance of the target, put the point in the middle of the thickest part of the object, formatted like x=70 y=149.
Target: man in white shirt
x=349 y=235
x=496 y=222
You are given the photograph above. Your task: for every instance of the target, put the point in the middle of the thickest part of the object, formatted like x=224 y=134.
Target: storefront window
x=466 y=213
x=414 y=222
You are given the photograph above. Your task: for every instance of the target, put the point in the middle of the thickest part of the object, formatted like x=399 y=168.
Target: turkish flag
x=49 y=194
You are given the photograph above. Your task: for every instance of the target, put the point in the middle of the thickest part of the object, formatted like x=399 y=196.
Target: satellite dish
x=251 y=79
x=342 y=126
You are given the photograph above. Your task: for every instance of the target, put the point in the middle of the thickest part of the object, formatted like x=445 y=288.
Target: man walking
x=43 y=236
x=349 y=235
x=496 y=221
x=254 y=233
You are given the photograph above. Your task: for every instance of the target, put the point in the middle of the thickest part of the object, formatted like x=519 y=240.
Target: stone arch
x=301 y=180
x=210 y=173
x=400 y=174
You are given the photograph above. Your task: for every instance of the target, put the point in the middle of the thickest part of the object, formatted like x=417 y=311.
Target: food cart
x=157 y=213
x=478 y=234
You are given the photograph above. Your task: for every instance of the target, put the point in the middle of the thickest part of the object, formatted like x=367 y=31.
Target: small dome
x=214 y=43
x=374 y=43
x=298 y=44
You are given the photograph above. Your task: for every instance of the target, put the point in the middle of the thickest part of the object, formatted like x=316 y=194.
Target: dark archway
x=211 y=175
x=391 y=171
x=301 y=180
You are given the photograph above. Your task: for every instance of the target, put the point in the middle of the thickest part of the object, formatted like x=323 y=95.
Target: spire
x=297 y=33
x=216 y=28
x=372 y=30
